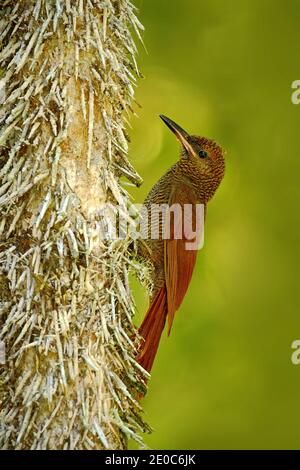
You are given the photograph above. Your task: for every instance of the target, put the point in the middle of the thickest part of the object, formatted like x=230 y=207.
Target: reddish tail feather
x=152 y=328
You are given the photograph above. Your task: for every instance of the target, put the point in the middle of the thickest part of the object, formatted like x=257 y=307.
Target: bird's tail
x=151 y=329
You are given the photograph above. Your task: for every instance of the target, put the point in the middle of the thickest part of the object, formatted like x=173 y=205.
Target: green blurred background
x=223 y=69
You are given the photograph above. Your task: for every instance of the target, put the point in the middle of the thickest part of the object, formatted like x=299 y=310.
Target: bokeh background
x=223 y=69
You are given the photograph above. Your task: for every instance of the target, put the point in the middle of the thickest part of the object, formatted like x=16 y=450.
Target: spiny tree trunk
x=67 y=74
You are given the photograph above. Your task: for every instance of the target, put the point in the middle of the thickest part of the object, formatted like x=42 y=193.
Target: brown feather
x=151 y=329
x=192 y=180
x=179 y=261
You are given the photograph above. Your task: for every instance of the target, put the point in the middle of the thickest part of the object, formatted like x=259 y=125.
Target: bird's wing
x=180 y=261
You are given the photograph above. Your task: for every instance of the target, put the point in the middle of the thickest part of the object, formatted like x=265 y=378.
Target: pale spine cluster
x=67 y=77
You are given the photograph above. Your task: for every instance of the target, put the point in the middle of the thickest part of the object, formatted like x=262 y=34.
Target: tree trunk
x=69 y=380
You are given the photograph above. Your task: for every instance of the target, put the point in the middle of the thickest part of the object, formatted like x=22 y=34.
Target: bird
x=192 y=181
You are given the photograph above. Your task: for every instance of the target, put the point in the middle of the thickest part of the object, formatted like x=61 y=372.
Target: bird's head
x=203 y=157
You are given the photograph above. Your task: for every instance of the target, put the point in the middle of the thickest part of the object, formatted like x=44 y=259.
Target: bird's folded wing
x=180 y=261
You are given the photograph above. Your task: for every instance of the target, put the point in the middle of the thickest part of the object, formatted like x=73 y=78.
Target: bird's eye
x=203 y=154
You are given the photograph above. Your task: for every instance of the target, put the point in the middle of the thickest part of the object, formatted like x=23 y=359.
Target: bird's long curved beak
x=180 y=133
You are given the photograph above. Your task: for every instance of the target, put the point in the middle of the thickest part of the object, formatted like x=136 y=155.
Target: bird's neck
x=185 y=173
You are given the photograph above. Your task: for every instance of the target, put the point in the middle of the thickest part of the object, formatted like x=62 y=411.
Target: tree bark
x=67 y=72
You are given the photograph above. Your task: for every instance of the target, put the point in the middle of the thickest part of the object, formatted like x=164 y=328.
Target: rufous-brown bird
x=193 y=180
